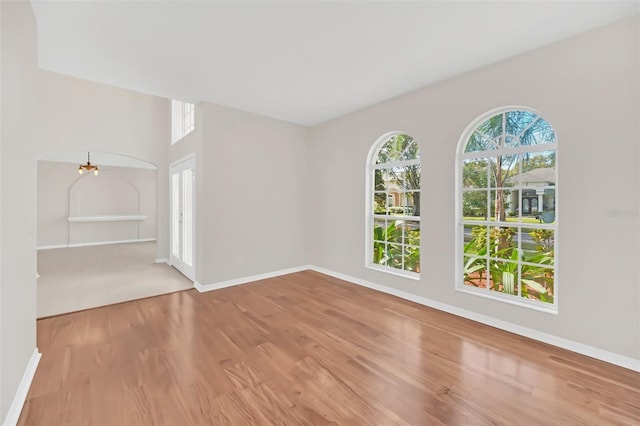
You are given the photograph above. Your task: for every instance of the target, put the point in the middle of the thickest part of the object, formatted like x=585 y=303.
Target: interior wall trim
x=573 y=346
x=245 y=280
x=23 y=389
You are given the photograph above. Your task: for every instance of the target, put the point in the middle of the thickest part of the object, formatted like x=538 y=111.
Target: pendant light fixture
x=88 y=167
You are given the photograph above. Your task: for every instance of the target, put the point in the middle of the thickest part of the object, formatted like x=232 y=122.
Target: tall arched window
x=507 y=208
x=393 y=205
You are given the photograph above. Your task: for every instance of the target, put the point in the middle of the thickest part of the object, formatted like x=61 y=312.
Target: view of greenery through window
x=508 y=202
x=396 y=204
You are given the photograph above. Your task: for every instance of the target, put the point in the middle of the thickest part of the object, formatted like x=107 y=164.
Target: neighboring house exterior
x=396 y=197
x=538 y=194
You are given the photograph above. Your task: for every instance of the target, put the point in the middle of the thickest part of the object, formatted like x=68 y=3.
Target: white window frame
x=182 y=120
x=459 y=224
x=370 y=216
x=188 y=118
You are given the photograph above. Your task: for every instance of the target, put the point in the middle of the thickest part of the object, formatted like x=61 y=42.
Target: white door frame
x=184 y=163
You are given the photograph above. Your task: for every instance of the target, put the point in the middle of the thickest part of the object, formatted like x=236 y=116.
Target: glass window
x=182 y=120
x=393 y=225
x=507 y=215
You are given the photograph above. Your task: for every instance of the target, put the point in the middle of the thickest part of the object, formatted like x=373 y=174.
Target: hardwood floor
x=309 y=349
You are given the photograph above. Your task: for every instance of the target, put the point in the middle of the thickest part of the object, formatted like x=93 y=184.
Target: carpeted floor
x=73 y=279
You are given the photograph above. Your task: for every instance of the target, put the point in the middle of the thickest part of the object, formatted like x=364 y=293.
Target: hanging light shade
x=88 y=167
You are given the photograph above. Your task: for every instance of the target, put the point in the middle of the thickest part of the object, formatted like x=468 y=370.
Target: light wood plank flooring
x=309 y=349
x=73 y=279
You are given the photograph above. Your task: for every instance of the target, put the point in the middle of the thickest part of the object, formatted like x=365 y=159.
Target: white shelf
x=107 y=218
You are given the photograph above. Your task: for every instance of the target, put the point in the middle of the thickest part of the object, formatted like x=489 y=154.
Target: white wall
x=18 y=207
x=587 y=87
x=62 y=192
x=253 y=194
x=79 y=115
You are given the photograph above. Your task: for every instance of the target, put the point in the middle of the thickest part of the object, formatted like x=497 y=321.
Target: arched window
x=393 y=205
x=507 y=208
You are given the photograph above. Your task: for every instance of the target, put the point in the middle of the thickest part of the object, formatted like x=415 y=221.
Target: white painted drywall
x=587 y=87
x=252 y=199
x=20 y=112
x=79 y=115
x=62 y=192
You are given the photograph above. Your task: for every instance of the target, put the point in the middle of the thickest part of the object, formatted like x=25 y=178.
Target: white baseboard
x=97 y=243
x=53 y=246
x=23 y=389
x=223 y=284
x=606 y=356
x=161 y=260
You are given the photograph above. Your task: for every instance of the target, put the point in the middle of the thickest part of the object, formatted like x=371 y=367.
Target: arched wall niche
x=117 y=205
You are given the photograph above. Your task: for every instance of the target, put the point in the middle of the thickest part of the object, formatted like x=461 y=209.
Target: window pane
x=477 y=143
x=538 y=283
x=399 y=178
x=548 y=200
x=492 y=127
x=466 y=236
x=475 y=271
x=398 y=148
x=379 y=253
x=538 y=133
x=386 y=180
x=503 y=170
x=501 y=205
x=407 y=203
x=474 y=173
x=538 y=169
x=395 y=254
x=380 y=202
x=477 y=244
x=412 y=233
x=538 y=245
x=518 y=121
x=379 y=230
x=395 y=231
x=411 y=177
x=474 y=205
x=412 y=258
x=504 y=277
x=409 y=148
x=503 y=242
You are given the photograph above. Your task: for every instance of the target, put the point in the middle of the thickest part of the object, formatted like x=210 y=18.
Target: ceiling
x=304 y=62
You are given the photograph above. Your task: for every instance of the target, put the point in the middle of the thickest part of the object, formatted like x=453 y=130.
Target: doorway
x=97 y=233
x=182 y=184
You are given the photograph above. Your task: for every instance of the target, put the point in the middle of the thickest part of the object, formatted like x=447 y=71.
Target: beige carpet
x=73 y=279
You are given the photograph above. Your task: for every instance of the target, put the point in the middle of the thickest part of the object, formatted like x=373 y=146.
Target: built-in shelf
x=108 y=218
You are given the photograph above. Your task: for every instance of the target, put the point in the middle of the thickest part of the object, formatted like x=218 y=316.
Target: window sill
x=404 y=274
x=512 y=300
